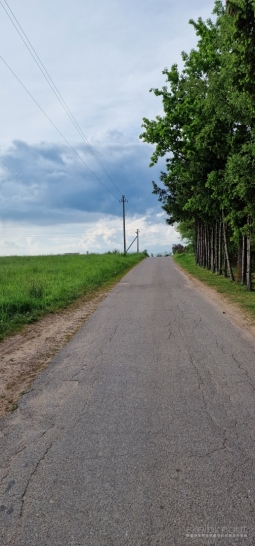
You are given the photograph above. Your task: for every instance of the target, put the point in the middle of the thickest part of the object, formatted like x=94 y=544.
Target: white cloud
x=93 y=236
x=104 y=57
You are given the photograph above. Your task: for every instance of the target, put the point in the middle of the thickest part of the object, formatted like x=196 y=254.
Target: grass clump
x=234 y=291
x=32 y=286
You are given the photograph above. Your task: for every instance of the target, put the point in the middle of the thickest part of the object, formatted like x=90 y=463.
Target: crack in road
x=26 y=489
x=145 y=421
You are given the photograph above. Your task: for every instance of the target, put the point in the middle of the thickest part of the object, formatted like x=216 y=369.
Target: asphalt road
x=141 y=431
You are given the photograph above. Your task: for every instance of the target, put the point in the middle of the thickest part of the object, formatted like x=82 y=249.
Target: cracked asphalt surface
x=141 y=431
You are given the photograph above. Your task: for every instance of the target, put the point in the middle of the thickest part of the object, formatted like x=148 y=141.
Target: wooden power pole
x=123 y=201
x=137 y=233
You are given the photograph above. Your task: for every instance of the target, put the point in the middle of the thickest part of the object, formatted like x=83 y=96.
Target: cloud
x=50 y=203
x=106 y=57
x=47 y=182
x=95 y=235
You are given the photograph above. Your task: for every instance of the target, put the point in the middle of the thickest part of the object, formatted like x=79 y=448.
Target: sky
x=103 y=57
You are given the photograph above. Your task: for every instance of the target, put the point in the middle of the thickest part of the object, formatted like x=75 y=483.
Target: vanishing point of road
x=141 y=431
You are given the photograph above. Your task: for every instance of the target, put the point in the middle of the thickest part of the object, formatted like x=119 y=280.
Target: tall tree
x=207 y=136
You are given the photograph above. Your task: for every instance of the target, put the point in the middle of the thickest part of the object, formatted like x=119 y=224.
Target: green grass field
x=233 y=291
x=32 y=286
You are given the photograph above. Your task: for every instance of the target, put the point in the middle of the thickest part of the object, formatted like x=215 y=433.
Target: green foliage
x=33 y=286
x=187 y=231
x=182 y=134
x=243 y=14
x=163 y=254
x=207 y=132
x=35 y=291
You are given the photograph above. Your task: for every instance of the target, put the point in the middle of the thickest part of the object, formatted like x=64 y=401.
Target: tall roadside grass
x=33 y=286
x=234 y=291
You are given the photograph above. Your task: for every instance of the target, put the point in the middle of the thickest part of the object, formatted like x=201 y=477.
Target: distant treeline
x=207 y=133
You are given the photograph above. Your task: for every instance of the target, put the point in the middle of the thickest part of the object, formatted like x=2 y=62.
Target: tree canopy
x=207 y=136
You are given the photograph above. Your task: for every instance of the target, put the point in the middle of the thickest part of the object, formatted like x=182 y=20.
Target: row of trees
x=207 y=135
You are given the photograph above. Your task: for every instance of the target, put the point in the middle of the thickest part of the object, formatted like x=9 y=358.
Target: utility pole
x=137 y=233
x=123 y=201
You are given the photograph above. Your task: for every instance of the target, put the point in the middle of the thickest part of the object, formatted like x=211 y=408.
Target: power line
x=55 y=90
x=14 y=234
x=61 y=134
x=35 y=236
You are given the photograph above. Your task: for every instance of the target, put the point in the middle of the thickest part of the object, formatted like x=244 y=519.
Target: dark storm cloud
x=48 y=183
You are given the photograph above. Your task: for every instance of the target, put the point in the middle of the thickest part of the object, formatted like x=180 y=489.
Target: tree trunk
x=248 y=275
x=244 y=258
x=213 y=249
x=204 y=246
x=239 y=260
x=196 y=241
x=232 y=278
x=220 y=250
x=208 y=241
x=200 y=243
x=225 y=265
x=216 y=248
x=209 y=247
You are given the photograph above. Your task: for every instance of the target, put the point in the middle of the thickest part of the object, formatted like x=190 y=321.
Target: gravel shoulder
x=236 y=315
x=24 y=355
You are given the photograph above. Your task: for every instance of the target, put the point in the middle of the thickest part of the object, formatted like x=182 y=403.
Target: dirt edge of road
x=238 y=317
x=25 y=354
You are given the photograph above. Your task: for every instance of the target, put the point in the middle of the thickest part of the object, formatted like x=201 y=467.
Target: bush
x=178 y=249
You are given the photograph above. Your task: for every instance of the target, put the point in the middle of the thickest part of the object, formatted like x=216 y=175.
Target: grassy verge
x=233 y=291
x=32 y=286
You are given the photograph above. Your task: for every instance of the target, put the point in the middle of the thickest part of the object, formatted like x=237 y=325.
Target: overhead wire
x=14 y=234
x=54 y=88
x=52 y=123
x=56 y=234
x=36 y=236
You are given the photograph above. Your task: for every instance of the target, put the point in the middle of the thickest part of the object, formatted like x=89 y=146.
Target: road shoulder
x=24 y=355
x=235 y=314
